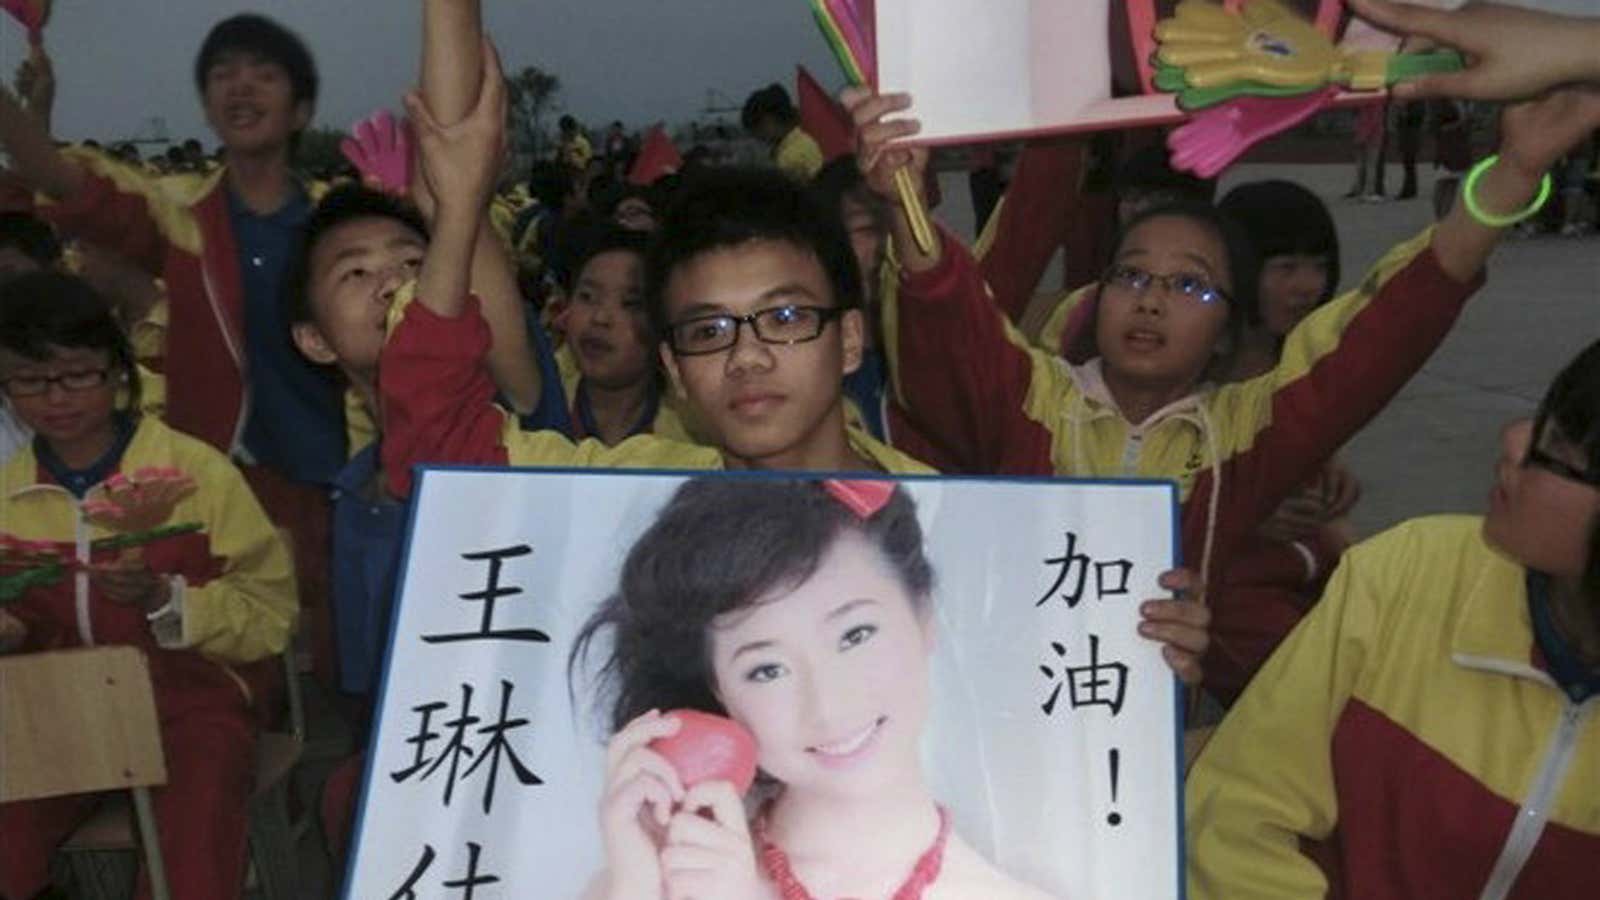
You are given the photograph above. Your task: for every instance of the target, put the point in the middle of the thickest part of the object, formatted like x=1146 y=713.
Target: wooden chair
x=98 y=853
x=84 y=721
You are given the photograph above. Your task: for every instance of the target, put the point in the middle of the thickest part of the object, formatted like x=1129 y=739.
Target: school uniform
x=438 y=408
x=235 y=379
x=1003 y=406
x=1430 y=717
x=212 y=651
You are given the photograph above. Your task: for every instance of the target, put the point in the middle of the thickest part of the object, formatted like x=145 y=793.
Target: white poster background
x=984 y=70
x=1031 y=793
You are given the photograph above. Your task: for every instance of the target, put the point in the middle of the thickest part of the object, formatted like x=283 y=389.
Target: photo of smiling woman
x=801 y=610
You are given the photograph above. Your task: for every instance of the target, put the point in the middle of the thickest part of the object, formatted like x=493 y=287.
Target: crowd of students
x=1412 y=716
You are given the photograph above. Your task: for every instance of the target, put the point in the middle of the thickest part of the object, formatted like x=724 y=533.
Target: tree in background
x=532 y=95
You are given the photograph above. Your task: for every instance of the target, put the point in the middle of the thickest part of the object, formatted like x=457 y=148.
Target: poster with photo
x=940 y=675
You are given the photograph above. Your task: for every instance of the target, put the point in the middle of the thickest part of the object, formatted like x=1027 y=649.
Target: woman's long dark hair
x=719 y=545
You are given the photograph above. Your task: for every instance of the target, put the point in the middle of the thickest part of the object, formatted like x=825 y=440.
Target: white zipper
x=1130 y=453
x=236 y=444
x=80 y=578
x=1535 y=811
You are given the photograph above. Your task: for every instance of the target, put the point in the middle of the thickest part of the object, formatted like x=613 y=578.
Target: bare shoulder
x=968 y=876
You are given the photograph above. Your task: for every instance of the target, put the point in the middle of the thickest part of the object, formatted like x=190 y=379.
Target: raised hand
x=1512 y=53
x=462 y=161
x=1182 y=625
x=641 y=793
x=708 y=853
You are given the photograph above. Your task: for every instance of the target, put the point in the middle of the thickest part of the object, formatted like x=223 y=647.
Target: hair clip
x=864 y=498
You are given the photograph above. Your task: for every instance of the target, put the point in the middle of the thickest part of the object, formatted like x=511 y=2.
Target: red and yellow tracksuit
x=1411 y=711
x=1000 y=405
x=178 y=229
x=213 y=659
x=438 y=407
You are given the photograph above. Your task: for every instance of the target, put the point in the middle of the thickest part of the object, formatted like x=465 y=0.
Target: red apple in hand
x=709 y=748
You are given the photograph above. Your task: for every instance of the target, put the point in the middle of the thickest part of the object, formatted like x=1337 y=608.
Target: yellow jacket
x=234 y=587
x=1412 y=711
x=438 y=409
x=798 y=155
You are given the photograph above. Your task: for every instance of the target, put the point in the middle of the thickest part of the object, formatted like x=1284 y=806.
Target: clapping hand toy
x=1264 y=42
x=1258 y=72
x=709 y=748
x=1213 y=138
x=1209 y=55
x=138 y=503
x=33 y=14
x=382 y=149
x=26 y=564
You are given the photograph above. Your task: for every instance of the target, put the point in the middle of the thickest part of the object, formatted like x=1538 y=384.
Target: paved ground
x=1431 y=450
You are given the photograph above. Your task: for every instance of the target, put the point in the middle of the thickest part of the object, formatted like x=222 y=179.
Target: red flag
x=822 y=118
x=658 y=156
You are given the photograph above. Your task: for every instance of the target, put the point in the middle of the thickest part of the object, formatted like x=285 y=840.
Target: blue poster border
x=419 y=483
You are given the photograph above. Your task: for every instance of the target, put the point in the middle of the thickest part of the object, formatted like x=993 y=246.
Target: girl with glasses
x=1169 y=313
x=208 y=605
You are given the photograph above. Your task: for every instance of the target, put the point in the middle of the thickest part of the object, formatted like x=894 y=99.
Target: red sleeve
x=1034 y=219
x=113 y=219
x=962 y=373
x=1311 y=417
x=437 y=396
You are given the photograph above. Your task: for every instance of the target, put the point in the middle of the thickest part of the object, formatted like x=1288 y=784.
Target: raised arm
x=452 y=81
x=34 y=157
x=1534 y=135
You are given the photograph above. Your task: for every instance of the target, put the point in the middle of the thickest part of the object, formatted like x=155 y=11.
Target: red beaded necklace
x=776 y=864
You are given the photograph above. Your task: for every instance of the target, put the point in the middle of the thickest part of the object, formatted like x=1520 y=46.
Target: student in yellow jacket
x=209 y=608
x=770 y=116
x=1439 y=710
x=1169 y=309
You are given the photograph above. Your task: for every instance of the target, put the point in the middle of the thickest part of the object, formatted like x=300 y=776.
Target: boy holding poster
x=752 y=287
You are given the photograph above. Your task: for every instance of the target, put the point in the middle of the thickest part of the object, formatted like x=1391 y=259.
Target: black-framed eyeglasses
x=1185 y=284
x=1538 y=458
x=36 y=385
x=779 y=325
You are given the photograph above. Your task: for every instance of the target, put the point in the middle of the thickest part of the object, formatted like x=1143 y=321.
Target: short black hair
x=1572 y=406
x=260 y=36
x=46 y=309
x=771 y=101
x=344 y=204
x=719 y=545
x=729 y=207
x=1282 y=218
x=593 y=237
x=841 y=179
x=31 y=236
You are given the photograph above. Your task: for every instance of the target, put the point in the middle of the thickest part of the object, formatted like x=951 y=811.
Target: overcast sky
x=122 y=62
